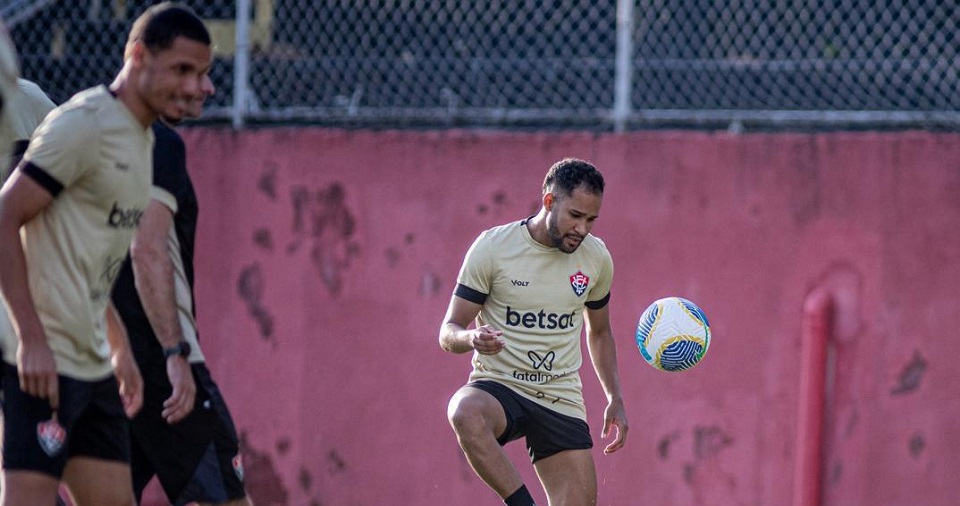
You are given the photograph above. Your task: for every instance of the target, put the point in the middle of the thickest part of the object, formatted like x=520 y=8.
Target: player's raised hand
x=180 y=402
x=487 y=340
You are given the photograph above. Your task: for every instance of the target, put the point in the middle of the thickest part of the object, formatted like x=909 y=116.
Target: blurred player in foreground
x=184 y=434
x=529 y=286
x=25 y=109
x=74 y=203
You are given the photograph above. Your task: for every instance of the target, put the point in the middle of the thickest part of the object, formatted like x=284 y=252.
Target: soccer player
x=25 y=108
x=184 y=434
x=529 y=287
x=73 y=203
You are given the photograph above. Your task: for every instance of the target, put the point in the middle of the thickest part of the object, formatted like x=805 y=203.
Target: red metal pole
x=815 y=334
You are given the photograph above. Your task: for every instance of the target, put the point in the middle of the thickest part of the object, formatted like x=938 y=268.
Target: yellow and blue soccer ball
x=673 y=334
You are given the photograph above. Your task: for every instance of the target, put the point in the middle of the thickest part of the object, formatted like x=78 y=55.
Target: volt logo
x=545 y=362
x=517 y=282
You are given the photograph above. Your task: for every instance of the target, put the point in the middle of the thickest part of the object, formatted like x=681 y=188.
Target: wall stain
x=250 y=286
x=394 y=254
x=429 y=284
x=263 y=239
x=836 y=473
x=262 y=481
x=497 y=202
x=806 y=198
x=323 y=221
x=335 y=463
x=918 y=443
x=283 y=446
x=393 y=257
x=663 y=446
x=911 y=375
x=305 y=479
x=268 y=181
x=852 y=423
x=709 y=441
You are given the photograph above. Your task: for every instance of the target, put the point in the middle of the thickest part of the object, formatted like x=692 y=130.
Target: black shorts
x=90 y=415
x=195 y=459
x=547 y=432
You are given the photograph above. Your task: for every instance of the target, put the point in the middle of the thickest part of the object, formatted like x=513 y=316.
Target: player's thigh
x=98 y=482
x=472 y=409
x=28 y=487
x=569 y=478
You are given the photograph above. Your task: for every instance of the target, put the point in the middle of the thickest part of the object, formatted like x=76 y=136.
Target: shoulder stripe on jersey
x=42 y=177
x=465 y=292
x=597 y=304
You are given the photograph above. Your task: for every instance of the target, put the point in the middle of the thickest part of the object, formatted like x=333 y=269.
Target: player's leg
x=478 y=419
x=27 y=487
x=98 y=469
x=560 y=446
x=569 y=478
x=98 y=482
x=217 y=476
x=31 y=472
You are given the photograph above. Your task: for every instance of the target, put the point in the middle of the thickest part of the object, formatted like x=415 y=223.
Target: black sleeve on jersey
x=19 y=148
x=42 y=177
x=169 y=160
x=465 y=292
x=597 y=304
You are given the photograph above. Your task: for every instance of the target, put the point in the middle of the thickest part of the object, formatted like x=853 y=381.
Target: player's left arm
x=124 y=366
x=603 y=354
x=154 y=277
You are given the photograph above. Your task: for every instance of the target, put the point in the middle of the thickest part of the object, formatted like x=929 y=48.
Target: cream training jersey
x=536 y=295
x=95 y=159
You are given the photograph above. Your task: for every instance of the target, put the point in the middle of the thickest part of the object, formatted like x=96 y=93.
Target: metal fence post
x=241 y=61
x=623 y=84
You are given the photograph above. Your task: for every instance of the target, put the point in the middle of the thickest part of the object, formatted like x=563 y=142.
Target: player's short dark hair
x=157 y=27
x=571 y=173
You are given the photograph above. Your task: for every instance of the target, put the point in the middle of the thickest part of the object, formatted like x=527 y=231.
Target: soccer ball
x=673 y=334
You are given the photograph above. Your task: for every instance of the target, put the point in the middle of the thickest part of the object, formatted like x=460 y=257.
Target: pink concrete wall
x=326 y=260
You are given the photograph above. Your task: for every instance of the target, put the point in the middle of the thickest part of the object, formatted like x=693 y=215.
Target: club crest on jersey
x=579 y=283
x=51 y=436
x=238 y=466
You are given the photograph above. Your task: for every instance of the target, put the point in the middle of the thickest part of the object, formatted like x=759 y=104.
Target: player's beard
x=553 y=232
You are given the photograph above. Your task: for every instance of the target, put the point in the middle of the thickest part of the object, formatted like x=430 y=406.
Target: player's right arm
x=21 y=199
x=455 y=337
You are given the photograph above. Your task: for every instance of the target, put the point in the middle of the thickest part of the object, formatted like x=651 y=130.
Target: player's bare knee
x=466 y=415
x=459 y=413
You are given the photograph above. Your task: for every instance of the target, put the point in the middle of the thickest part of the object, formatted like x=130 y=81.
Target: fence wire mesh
x=551 y=62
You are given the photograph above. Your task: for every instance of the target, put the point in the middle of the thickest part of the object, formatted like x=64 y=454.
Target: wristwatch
x=182 y=348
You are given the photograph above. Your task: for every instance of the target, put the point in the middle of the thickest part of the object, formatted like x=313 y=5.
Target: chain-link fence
x=564 y=63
